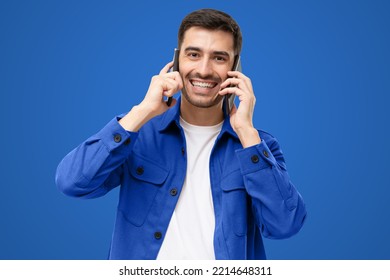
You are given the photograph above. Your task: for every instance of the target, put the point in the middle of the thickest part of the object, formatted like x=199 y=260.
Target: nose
x=205 y=67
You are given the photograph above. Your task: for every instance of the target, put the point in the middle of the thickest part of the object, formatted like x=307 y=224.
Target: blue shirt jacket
x=252 y=193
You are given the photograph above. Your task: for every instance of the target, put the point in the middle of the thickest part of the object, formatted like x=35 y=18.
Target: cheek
x=223 y=73
x=223 y=76
x=184 y=71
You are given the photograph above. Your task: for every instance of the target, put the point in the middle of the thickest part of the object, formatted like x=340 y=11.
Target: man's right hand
x=165 y=84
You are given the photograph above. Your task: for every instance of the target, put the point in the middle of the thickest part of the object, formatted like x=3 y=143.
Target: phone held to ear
x=175 y=67
x=229 y=98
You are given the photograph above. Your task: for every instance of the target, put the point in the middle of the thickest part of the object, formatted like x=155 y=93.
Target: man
x=195 y=182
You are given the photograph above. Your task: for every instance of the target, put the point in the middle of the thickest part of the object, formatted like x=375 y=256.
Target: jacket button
x=173 y=192
x=117 y=138
x=139 y=170
x=255 y=159
x=183 y=151
x=157 y=235
x=128 y=141
x=265 y=153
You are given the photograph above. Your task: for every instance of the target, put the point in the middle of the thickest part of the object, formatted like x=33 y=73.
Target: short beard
x=200 y=103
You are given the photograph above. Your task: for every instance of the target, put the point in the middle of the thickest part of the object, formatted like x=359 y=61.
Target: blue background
x=321 y=74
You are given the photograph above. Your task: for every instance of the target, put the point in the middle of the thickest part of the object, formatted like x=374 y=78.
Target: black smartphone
x=229 y=98
x=175 y=67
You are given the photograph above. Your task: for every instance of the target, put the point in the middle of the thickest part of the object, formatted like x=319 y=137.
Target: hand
x=164 y=84
x=241 y=117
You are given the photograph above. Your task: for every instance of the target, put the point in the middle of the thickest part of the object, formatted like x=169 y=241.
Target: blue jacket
x=252 y=192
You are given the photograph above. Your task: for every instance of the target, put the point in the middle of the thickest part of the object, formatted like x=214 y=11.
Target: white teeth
x=202 y=84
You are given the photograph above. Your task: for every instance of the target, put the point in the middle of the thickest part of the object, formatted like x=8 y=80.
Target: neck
x=201 y=116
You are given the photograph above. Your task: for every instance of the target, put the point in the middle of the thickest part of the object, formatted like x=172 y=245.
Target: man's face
x=205 y=58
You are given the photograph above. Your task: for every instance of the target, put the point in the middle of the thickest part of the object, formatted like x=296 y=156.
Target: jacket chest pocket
x=235 y=202
x=138 y=193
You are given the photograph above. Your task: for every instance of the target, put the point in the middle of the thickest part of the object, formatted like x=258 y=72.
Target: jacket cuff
x=255 y=158
x=115 y=137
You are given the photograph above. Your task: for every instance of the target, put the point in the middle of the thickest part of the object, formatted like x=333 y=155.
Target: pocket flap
x=233 y=181
x=146 y=170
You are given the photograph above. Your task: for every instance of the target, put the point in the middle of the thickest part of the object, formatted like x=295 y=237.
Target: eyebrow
x=222 y=53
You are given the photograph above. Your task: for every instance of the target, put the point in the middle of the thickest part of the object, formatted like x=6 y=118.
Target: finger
x=241 y=76
x=174 y=76
x=166 y=68
x=170 y=87
x=236 y=74
x=232 y=82
x=231 y=90
x=178 y=79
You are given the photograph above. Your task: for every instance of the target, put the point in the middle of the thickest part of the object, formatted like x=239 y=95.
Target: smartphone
x=229 y=98
x=175 y=67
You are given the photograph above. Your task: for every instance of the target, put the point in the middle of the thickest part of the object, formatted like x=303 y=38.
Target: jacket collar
x=172 y=117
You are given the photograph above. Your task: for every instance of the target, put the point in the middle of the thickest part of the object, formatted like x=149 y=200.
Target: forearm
x=165 y=84
x=136 y=118
x=278 y=207
x=248 y=137
x=93 y=168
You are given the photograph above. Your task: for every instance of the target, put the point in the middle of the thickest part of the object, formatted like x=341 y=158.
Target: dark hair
x=212 y=20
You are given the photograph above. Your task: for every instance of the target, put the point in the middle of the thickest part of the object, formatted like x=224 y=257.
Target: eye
x=220 y=59
x=193 y=55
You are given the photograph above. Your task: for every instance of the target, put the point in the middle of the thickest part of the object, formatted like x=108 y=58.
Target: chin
x=201 y=100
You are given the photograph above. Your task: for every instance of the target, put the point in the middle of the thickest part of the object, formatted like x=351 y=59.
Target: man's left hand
x=241 y=117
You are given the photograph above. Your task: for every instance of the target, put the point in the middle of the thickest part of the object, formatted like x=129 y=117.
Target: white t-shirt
x=190 y=232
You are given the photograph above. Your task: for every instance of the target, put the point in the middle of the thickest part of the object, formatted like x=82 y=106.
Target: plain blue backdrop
x=320 y=71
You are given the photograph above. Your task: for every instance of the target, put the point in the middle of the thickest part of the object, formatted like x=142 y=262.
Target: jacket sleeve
x=278 y=208
x=95 y=166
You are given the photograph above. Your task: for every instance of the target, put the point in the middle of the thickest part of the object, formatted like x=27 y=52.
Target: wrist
x=135 y=119
x=248 y=137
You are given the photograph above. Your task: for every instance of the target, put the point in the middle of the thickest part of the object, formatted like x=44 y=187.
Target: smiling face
x=205 y=58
